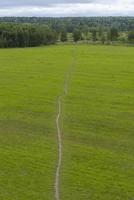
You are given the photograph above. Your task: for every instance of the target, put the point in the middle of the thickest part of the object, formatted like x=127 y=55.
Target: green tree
x=94 y=35
x=131 y=36
x=24 y=35
x=77 y=35
x=114 y=34
x=103 y=38
x=63 y=36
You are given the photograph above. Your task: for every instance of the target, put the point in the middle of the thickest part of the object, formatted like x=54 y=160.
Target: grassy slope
x=98 y=123
x=98 y=126
x=30 y=81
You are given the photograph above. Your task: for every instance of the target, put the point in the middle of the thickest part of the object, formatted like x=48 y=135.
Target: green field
x=97 y=122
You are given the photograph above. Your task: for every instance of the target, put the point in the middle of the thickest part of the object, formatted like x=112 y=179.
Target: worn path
x=58 y=118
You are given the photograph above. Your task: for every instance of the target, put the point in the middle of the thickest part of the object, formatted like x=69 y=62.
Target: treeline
x=101 y=35
x=25 y=35
x=98 y=35
x=33 y=31
x=72 y=23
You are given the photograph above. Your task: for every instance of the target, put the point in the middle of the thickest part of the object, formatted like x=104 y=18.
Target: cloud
x=57 y=8
x=13 y=3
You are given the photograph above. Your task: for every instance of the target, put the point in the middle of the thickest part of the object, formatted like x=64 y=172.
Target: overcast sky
x=57 y=8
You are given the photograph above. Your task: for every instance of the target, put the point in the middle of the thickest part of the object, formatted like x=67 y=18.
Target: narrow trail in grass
x=58 y=118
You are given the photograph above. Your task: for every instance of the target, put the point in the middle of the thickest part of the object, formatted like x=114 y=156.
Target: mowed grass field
x=97 y=122
x=30 y=81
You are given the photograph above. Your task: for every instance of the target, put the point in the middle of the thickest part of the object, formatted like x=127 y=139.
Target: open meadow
x=97 y=122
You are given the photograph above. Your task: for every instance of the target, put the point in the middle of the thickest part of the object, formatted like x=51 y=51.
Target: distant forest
x=36 y=31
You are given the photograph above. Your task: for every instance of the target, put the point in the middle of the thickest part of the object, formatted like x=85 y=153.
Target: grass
x=30 y=82
x=97 y=124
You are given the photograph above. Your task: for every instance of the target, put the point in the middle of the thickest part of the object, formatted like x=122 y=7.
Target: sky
x=63 y=8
